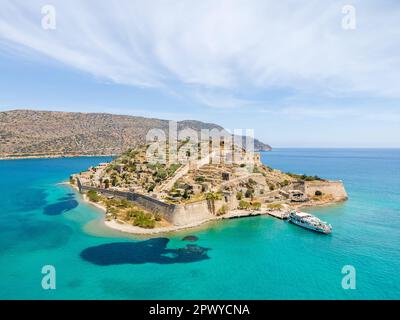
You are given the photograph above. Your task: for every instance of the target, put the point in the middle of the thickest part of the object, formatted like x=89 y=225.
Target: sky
x=300 y=73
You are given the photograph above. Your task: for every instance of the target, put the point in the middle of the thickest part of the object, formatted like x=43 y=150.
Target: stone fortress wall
x=334 y=188
x=177 y=214
x=184 y=214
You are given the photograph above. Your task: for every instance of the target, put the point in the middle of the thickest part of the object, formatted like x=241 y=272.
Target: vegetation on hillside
x=127 y=211
x=303 y=177
x=41 y=133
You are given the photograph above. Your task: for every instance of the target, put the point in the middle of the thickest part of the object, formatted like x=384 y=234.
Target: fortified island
x=144 y=197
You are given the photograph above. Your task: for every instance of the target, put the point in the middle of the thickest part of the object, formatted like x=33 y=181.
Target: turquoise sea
x=45 y=223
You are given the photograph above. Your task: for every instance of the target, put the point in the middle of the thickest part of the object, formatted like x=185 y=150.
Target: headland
x=143 y=197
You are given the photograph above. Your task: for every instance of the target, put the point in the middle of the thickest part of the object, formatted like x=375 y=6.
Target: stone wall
x=176 y=214
x=191 y=213
x=334 y=188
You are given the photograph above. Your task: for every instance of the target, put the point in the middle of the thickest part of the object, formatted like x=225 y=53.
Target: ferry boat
x=309 y=221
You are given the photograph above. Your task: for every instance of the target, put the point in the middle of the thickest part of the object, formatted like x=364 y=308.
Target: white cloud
x=213 y=49
x=323 y=113
x=327 y=113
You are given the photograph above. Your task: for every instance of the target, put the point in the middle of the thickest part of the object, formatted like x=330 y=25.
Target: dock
x=280 y=214
x=241 y=214
x=283 y=215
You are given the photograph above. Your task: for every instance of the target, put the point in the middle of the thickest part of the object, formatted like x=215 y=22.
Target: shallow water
x=45 y=223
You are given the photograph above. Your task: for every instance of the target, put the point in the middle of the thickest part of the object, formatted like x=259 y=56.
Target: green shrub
x=106 y=184
x=284 y=183
x=199 y=179
x=303 y=177
x=132 y=168
x=172 y=168
x=151 y=187
x=221 y=211
x=185 y=194
x=144 y=220
x=275 y=206
x=213 y=196
x=71 y=180
x=123 y=203
x=249 y=193
x=161 y=173
x=256 y=170
x=239 y=195
x=113 y=211
x=133 y=213
x=93 y=196
x=318 y=193
x=244 y=204
x=256 y=205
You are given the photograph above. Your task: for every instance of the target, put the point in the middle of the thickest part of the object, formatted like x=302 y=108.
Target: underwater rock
x=190 y=238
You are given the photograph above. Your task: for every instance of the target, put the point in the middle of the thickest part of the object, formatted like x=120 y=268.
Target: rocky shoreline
x=121 y=226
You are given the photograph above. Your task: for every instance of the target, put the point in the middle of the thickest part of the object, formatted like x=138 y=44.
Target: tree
x=161 y=173
x=151 y=187
x=249 y=193
x=200 y=179
x=144 y=220
x=211 y=197
x=256 y=205
x=244 y=205
x=223 y=210
x=93 y=196
x=284 y=183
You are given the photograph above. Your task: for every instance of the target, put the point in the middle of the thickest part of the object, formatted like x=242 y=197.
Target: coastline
x=127 y=228
x=57 y=156
x=121 y=226
x=70 y=155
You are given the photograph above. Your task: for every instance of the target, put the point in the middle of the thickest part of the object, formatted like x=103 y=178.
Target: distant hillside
x=25 y=133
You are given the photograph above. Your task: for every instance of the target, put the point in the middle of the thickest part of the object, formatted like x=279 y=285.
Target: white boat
x=309 y=221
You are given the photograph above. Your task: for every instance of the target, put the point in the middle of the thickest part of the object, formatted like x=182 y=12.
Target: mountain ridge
x=27 y=133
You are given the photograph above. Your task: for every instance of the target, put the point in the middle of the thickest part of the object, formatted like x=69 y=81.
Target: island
x=145 y=197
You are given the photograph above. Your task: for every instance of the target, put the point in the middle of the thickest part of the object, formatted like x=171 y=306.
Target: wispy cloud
x=326 y=113
x=211 y=50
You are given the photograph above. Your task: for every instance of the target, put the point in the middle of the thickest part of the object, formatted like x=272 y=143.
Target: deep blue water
x=45 y=223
